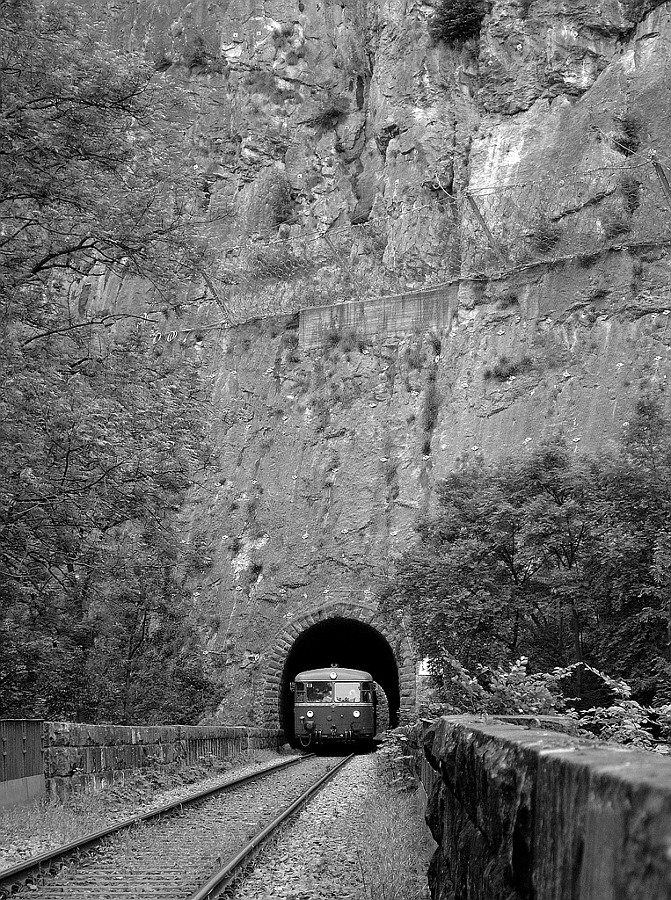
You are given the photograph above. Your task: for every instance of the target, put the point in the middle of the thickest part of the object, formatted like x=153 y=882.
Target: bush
x=615 y=226
x=197 y=55
x=455 y=21
x=545 y=235
x=508 y=299
x=628 y=139
x=289 y=340
x=281 y=33
x=431 y=407
x=630 y=189
x=502 y=691
x=414 y=356
x=346 y=339
x=332 y=110
x=505 y=367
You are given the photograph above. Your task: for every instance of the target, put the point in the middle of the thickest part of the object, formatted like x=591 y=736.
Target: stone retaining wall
x=89 y=757
x=391 y=316
x=521 y=813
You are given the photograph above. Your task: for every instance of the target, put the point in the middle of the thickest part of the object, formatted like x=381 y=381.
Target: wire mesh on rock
x=487 y=231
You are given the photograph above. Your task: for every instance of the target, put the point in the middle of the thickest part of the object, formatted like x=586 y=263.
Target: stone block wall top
x=531 y=812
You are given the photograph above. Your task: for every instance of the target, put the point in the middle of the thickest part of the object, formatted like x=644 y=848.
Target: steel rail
x=42 y=864
x=222 y=880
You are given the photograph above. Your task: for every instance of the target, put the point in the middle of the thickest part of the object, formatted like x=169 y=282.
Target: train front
x=335 y=705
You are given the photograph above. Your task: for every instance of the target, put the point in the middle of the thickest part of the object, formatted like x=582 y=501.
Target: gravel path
x=317 y=856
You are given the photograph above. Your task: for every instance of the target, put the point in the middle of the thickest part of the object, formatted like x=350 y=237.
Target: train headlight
x=310 y=714
x=356 y=713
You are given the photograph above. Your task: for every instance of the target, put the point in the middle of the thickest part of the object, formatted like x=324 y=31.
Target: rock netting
x=521 y=813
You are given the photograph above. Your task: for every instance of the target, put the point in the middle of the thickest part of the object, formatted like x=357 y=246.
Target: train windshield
x=313 y=691
x=347 y=692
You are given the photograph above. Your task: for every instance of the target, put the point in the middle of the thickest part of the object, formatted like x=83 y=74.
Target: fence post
x=661 y=174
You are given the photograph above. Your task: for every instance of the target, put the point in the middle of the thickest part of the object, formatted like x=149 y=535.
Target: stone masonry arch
x=329 y=628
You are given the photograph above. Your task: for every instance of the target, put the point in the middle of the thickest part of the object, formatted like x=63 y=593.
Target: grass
x=395 y=846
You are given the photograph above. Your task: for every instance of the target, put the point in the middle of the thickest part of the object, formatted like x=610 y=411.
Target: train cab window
x=347 y=692
x=366 y=692
x=317 y=692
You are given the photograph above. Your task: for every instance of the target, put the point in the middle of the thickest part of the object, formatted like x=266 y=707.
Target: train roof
x=325 y=674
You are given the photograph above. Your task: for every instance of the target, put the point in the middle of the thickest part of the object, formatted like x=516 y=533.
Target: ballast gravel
x=28 y=831
x=172 y=857
x=318 y=855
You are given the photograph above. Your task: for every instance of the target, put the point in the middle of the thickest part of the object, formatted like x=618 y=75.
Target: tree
x=101 y=433
x=93 y=170
x=551 y=557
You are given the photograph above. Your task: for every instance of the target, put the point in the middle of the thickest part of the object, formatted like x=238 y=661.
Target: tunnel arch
x=346 y=633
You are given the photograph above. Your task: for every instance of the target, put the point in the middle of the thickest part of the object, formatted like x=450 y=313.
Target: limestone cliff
x=345 y=155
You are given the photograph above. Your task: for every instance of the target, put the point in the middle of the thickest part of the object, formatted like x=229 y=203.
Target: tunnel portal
x=343 y=642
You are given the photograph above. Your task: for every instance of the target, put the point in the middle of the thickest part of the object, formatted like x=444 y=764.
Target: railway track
x=189 y=850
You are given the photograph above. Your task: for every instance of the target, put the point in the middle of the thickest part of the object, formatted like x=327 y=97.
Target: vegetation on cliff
x=100 y=432
x=457 y=20
x=550 y=556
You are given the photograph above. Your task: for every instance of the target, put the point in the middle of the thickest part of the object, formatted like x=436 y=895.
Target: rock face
x=346 y=155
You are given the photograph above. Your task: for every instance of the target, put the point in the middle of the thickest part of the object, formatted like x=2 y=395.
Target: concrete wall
x=521 y=813
x=89 y=757
x=395 y=315
x=21 y=790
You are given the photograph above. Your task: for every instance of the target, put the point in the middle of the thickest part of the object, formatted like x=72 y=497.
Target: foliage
x=627 y=722
x=511 y=690
x=91 y=173
x=503 y=690
x=628 y=139
x=457 y=20
x=545 y=236
x=548 y=556
x=346 y=338
x=630 y=188
x=101 y=433
x=197 y=55
x=431 y=407
x=504 y=368
x=331 y=111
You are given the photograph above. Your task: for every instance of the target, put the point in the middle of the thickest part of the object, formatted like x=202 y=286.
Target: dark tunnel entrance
x=344 y=642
